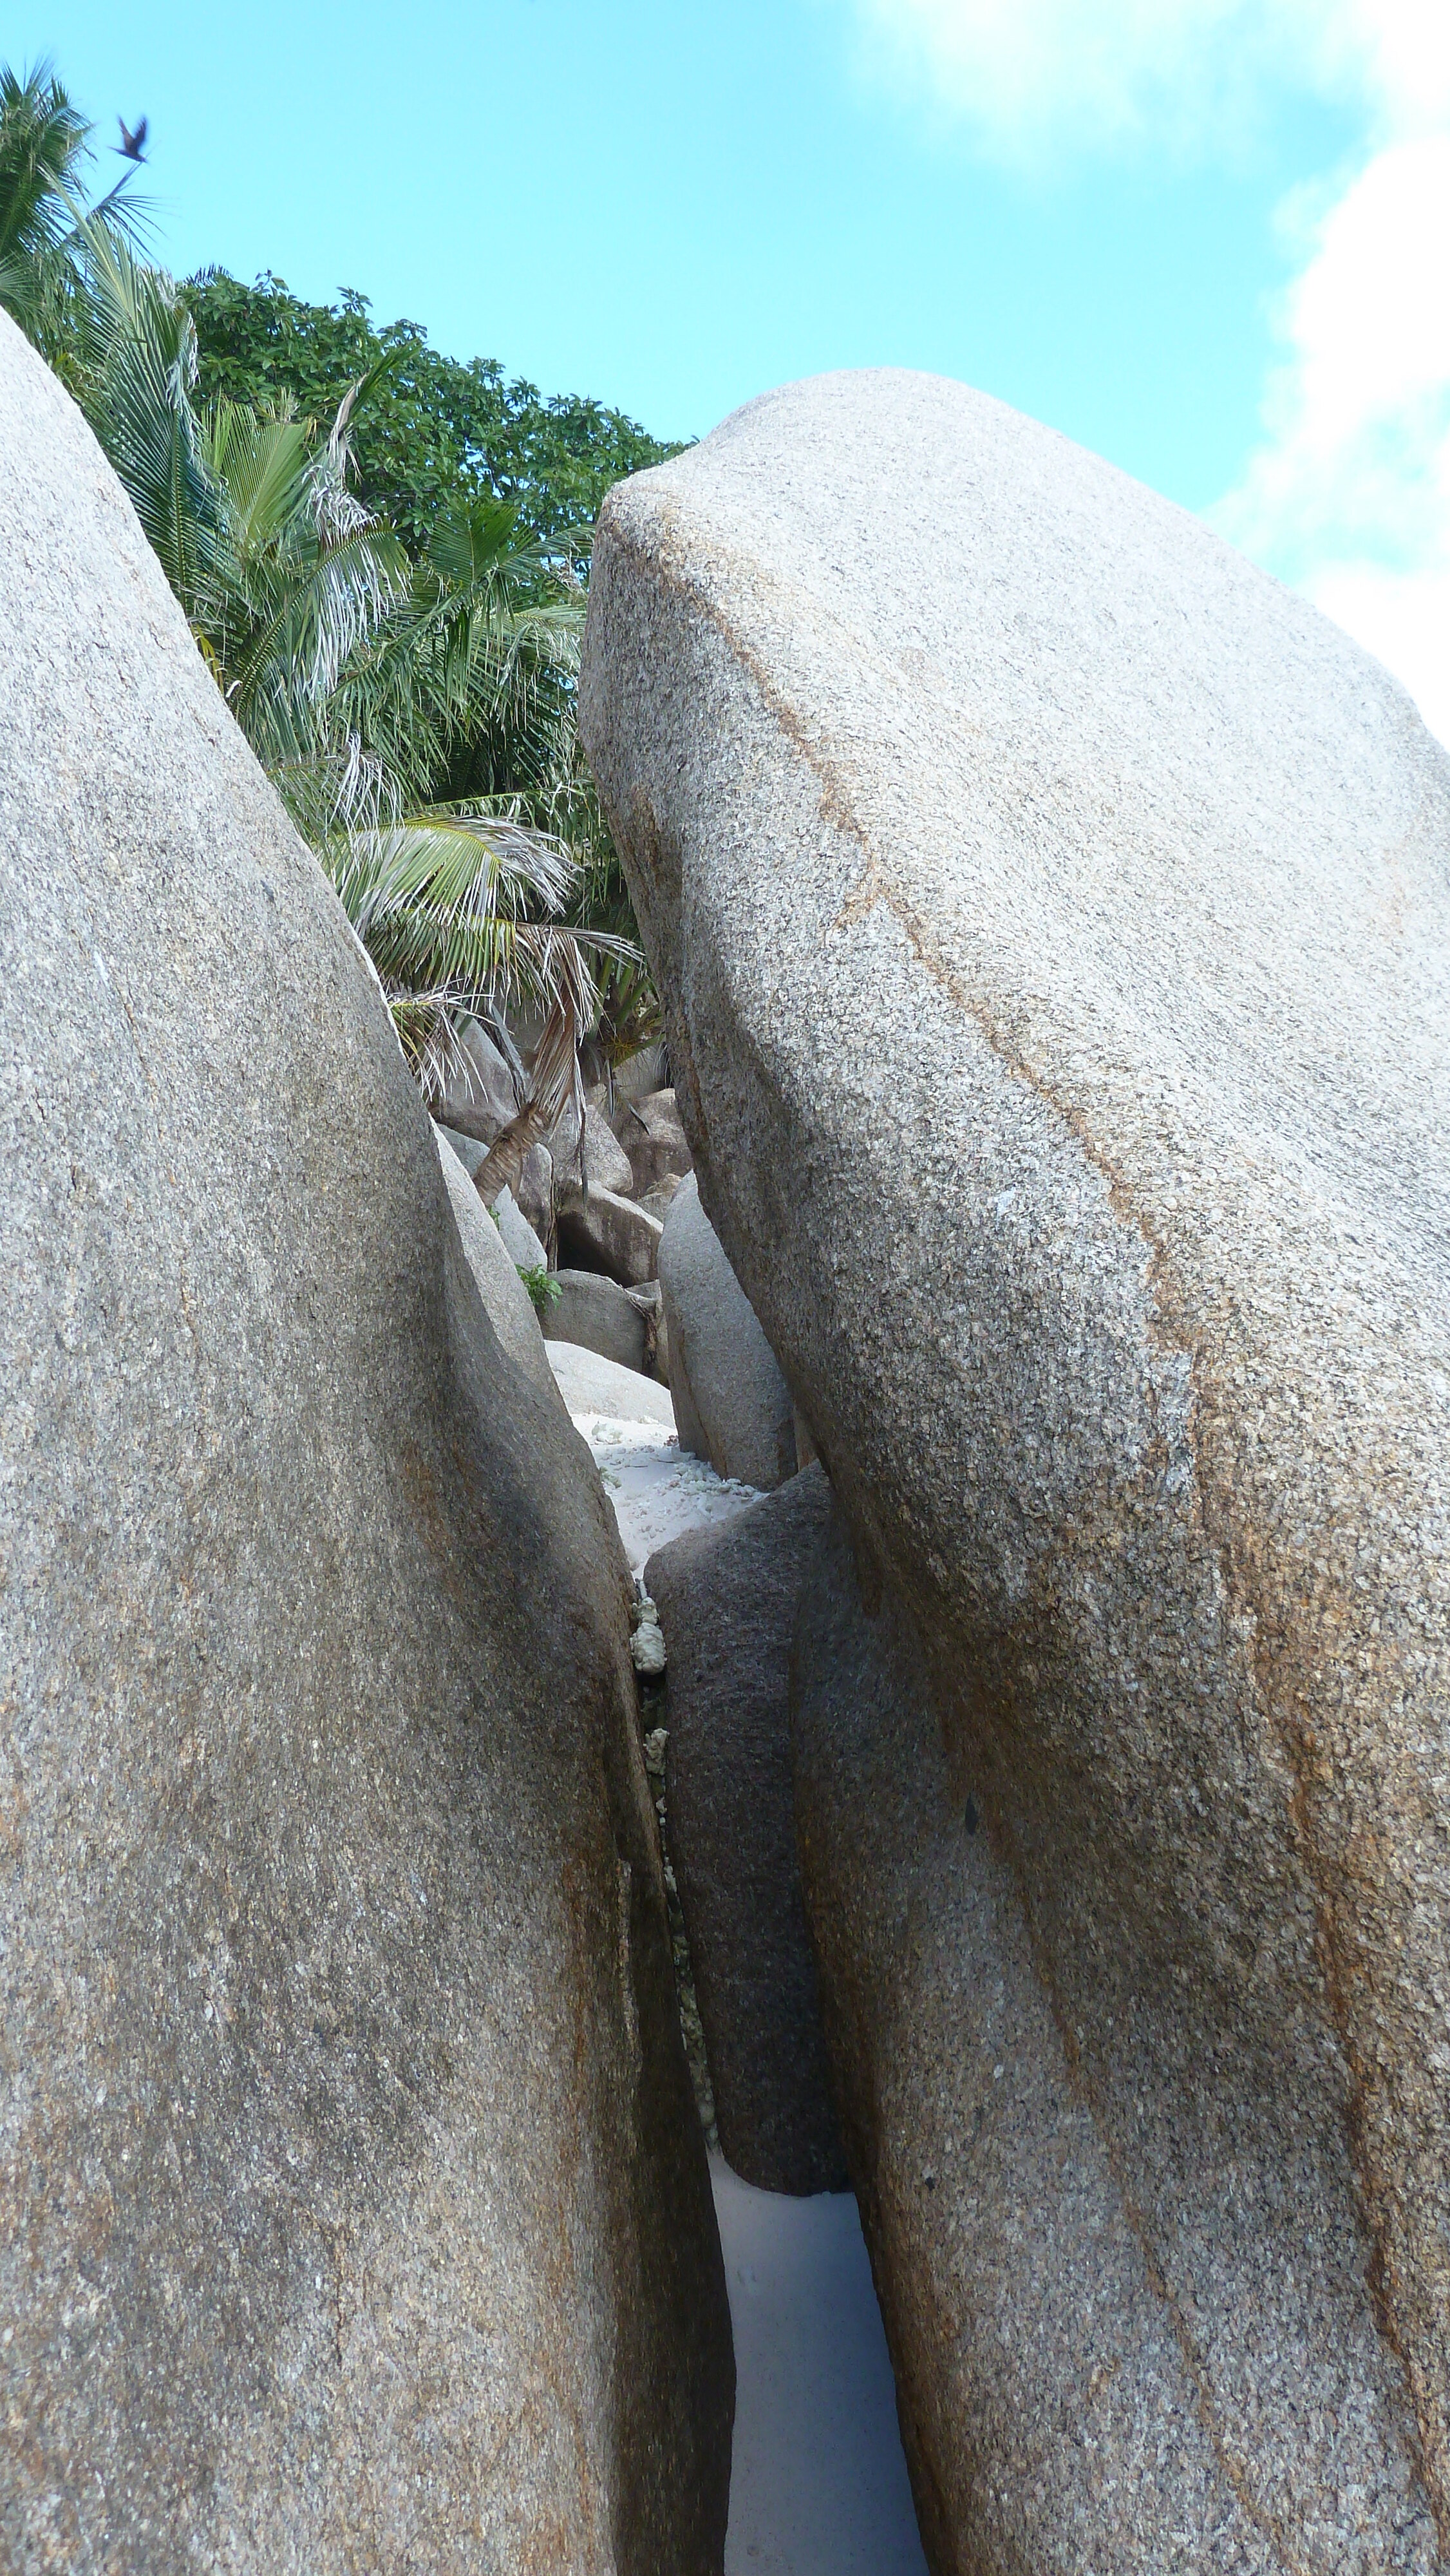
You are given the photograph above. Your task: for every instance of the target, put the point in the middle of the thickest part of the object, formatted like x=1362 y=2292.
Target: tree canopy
x=381 y=555
x=435 y=431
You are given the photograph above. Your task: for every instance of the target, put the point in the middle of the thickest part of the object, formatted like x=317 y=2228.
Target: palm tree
x=417 y=718
x=368 y=685
x=44 y=221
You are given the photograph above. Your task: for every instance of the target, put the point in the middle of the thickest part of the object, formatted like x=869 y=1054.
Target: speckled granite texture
x=732 y=1404
x=1053 y=914
x=353 y=2213
x=728 y=1599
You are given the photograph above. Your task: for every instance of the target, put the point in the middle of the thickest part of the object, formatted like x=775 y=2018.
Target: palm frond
x=138 y=345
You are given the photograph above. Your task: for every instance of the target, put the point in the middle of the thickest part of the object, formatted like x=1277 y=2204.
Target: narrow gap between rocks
x=818 y=2483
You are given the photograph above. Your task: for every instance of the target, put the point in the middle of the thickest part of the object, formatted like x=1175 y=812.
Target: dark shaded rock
x=731 y=1402
x=727 y=1601
x=353 y=2213
x=607 y=1233
x=1054 y=921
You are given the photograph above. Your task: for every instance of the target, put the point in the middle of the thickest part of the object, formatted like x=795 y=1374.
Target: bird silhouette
x=131 y=145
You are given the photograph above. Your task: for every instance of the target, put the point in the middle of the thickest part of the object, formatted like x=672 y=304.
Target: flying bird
x=131 y=145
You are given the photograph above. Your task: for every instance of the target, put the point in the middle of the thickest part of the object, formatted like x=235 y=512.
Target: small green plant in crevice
x=542 y=1286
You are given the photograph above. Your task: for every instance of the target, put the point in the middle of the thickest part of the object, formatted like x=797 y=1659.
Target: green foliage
x=542 y=1286
x=379 y=552
x=44 y=219
x=133 y=368
x=436 y=432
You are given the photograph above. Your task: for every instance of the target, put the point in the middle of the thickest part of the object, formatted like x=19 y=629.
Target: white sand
x=657 y=1488
x=818 y=2483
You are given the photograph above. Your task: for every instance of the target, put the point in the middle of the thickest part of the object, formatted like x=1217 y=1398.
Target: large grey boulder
x=1054 y=924
x=732 y=1404
x=727 y=1599
x=654 y=1141
x=483 y=1098
x=352 y=2208
x=515 y=1233
x=1019 y=2301
x=598 y=1162
x=506 y=1300
x=601 y=1316
x=589 y=1383
x=610 y=1233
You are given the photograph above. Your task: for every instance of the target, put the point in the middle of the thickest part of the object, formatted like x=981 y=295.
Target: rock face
x=1089 y=1173
x=506 y=1300
x=602 y=1163
x=591 y=1384
x=516 y=1234
x=654 y=1142
x=352 y=2213
x=609 y=1233
x=490 y=1100
x=534 y=1196
x=468 y=1151
x=727 y=1601
x=597 y=1313
x=732 y=1404
x=658 y=1202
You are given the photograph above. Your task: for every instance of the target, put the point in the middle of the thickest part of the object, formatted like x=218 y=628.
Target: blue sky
x=1198 y=235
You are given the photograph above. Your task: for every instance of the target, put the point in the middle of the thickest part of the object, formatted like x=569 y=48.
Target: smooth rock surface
x=519 y=1240
x=590 y=1383
x=488 y=1101
x=732 y=1404
x=506 y=1300
x=659 y=1201
x=601 y=1165
x=470 y=1151
x=352 y=2209
x=608 y=1233
x=1088 y=1169
x=977 y=2162
x=727 y=1600
x=596 y=1312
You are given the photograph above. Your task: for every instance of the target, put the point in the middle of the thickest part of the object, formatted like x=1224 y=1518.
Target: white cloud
x=1348 y=496
x=1029 y=75
x=1404 y=618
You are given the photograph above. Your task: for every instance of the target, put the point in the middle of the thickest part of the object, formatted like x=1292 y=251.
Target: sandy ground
x=818 y=2483
x=658 y=1490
